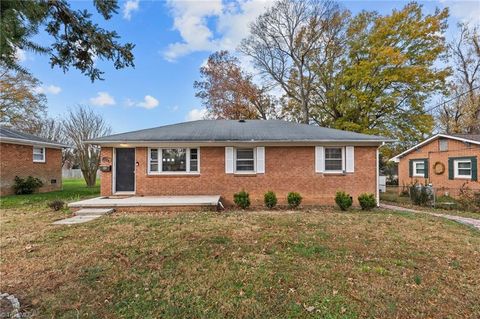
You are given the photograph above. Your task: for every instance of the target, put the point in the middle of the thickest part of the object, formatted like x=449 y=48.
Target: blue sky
x=173 y=39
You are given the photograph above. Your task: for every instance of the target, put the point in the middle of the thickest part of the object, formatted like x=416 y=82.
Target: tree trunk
x=90 y=178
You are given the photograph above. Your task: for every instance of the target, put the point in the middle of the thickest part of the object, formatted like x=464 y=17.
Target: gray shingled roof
x=12 y=136
x=233 y=130
x=473 y=137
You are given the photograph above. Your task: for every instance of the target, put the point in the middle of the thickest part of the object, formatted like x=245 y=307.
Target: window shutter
x=261 y=159
x=319 y=159
x=474 y=169
x=229 y=160
x=425 y=163
x=410 y=168
x=450 y=168
x=350 y=159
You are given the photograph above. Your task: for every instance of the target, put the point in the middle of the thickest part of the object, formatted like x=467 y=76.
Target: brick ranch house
x=223 y=157
x=448 y=162
x=26 y=155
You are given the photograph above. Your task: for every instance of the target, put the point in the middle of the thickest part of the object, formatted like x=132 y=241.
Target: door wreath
x=439 y=168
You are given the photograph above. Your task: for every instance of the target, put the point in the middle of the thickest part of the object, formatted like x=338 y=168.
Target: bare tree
x=286 y=43
x=463 y=115
x=82 y=124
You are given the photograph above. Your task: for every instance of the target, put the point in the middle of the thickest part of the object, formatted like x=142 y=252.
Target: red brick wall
x=433 y=153
x=17 y=160
x=286 y=169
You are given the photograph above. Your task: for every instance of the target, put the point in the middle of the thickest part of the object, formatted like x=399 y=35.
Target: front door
x=125 y=170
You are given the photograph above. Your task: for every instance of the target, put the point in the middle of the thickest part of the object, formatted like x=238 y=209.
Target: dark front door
x=125 y=170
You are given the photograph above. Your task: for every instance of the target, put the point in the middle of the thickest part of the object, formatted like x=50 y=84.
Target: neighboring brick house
x=26 y=155
x=447 y=162
x=222 y=157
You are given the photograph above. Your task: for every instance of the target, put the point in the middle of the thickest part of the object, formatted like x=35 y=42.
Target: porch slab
x=148 y=201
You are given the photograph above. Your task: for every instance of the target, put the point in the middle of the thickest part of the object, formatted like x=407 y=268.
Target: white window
x=173 y=160
x=419 y=168
x=462 y=168
x=334 y=159
x=245 y=160
x=39 y=154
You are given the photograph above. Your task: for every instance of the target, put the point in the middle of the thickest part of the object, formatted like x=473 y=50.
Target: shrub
x=469 y=199
x=343 y=200
x=242 y=199
x=367 y=201
x=56 y=205
x=270 y=199
x=294 y=199
x=26 y=186
x=419 y=194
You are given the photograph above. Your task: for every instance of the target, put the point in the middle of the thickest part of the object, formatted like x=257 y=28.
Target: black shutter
x=425 y=163
x=450 y=168
x=474 y=168
x=410 y=168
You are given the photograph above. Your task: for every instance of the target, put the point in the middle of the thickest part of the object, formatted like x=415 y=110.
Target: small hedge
x=367 y=201
x=294 y=199
x=343 y=200
x=270 y=199
x=56 y=205
x=26 y=186
x=419 y=195
x=242 y=199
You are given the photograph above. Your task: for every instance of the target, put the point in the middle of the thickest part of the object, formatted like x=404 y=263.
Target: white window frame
x=160 y=156
x=414 y=168
x=327 y=171
x=456 y=168
x=254 y=161
x=43 y=153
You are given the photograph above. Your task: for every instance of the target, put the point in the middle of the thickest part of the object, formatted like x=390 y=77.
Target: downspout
x=378 y=176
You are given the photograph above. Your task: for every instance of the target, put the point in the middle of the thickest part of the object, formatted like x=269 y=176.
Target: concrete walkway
x=475 y=223
x=84 y=215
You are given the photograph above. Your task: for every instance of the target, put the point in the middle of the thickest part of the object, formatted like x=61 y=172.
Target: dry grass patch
x=320 y=263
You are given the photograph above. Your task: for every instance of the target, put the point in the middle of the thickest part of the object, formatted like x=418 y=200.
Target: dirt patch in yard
x=318 y=263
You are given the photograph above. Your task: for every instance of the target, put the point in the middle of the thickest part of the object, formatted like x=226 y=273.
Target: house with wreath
x=448 y=162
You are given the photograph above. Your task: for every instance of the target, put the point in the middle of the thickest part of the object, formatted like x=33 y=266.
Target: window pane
x=154 y=154
x=38 y=157
x=333 y=165
x=153 y=167
x=464 y=165
x=193 y=160
x=245 y=153
x=174 y=160
x=464 y=172
x=333 y=153
x=245 y=165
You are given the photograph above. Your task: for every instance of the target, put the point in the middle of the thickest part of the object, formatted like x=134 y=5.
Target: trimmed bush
x=26 y=186
x=294 y=199
x=343 y=200
x=56 y=205
x=242 y=199
x=419 y=195
x=367 y=201
x=270 y=199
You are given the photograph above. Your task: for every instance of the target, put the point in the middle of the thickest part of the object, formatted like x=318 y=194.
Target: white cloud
x=129 y=7
x=196 y=114
x=466 y=11
x=48 y=89
x=102 y=99
x=149 y=102
x=20 y=55
x=191 y=19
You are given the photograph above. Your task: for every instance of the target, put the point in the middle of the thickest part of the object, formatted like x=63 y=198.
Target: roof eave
x=31 y=142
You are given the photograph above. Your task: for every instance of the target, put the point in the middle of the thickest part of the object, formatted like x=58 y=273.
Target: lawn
x=73 y=189
x=304 y=264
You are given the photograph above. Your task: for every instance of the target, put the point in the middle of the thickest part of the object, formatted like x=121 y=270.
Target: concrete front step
x=94 y=211
x=76 y=220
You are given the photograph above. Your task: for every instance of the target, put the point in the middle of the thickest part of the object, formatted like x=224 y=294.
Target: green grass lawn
x=73 y=189
x=318 y=263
